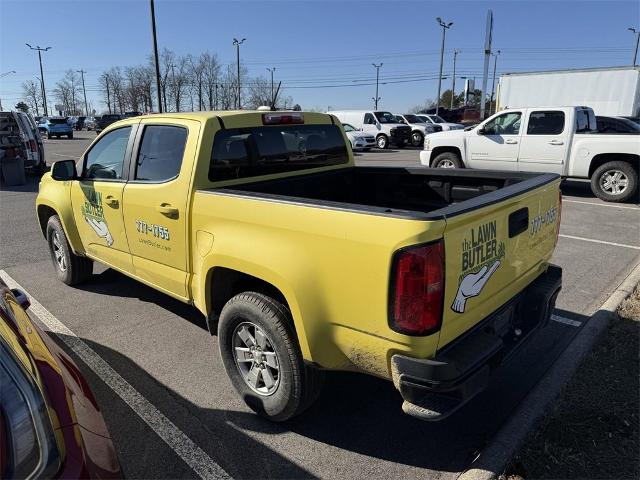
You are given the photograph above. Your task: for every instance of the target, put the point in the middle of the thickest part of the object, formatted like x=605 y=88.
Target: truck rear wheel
x=615 y=181
x=382 y=141
x=446 y=160
x=70 y=268
x=262 y=357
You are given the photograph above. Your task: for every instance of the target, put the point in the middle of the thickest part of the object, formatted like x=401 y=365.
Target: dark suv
x=105 y=120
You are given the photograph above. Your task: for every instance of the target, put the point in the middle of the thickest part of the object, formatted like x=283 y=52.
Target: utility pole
x=488 y=40
x=272 y=70
x=453 y=81
x=155 y=53
x=635 y=54
x=73 y=95
x=445 y=26
x=4 y=75
x=44 y=92
x=106 y=82
x=84 y=91
x=237 y=43
x=376 y=99
x=493 y=83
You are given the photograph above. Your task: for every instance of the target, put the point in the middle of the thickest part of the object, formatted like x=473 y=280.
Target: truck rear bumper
x=433 y=389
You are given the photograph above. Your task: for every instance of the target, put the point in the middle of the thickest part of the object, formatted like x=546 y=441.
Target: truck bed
x=415 y=193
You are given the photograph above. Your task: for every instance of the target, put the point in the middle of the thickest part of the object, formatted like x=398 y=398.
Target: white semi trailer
x=611 y=91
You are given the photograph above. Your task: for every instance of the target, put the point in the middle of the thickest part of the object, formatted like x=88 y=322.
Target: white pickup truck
x=561 y=140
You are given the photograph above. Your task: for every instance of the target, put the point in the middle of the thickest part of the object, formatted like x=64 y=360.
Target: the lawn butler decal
x=481 y=257
x=94 y=215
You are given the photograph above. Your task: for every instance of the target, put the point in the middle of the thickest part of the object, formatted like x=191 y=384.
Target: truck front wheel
x=615 y=181
x=417 y=139
x=262 y=357
x=446 y=160
x=382 y=142
x=70 y=268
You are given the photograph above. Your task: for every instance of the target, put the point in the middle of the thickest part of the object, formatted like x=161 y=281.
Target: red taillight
x=33 y=146
x=559 y=216
x=417 y=290
x=282 y=118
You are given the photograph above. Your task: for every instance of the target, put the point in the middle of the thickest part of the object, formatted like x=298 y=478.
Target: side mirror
x=481 y=131
x=21 y=298
x=64 y=170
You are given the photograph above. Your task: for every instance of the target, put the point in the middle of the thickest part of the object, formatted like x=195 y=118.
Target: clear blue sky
x=316 y=43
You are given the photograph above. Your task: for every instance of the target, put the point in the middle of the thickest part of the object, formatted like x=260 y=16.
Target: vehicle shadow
x=31 y=185
x=577 y=188
x=362 y=414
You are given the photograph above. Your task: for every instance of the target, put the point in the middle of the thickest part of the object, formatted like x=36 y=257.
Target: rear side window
x=251 y=152
x=161 y=152
x=106 y=157
x=546 y=123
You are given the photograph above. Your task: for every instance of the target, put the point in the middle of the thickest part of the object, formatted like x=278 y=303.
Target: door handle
x=112 y=201
x=167 y=210
x=556 y=142
x=511 y=142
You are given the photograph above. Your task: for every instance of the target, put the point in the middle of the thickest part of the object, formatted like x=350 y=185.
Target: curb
x=505 y=445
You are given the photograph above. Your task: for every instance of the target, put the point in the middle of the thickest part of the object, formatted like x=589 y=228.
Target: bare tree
x=32 y=93
x=167 y=58
x=67 y=91
x=259 y=93
x=211 y=78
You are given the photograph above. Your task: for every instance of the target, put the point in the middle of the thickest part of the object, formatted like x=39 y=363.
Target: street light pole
x=445 y=26
x=453 y=80
x=2 y=76
x=84 y=91
x=237 y=43
x=44 y=92
x=493 y=83
x=635 y=54
x=376 y=99
x=155 y=54
x=272 y=99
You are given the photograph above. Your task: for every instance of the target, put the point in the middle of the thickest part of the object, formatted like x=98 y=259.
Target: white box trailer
x=612 y=91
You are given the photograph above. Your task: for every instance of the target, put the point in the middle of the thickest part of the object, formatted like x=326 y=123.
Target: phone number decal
x=151 y=229
x=546 y=218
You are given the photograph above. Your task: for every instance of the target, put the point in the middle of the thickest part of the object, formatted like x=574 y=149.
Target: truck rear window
x=256 y=151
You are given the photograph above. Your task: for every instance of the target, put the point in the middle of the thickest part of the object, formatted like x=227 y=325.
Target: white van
x=382 y=125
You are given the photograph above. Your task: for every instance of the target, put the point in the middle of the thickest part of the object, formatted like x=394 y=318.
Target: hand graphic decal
x=472 y=285
x=101 y=229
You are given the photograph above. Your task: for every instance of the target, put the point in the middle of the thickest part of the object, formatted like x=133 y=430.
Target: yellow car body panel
x=331 y=265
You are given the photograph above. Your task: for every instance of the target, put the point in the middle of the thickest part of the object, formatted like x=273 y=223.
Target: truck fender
x=204 y=288
x=46 y=209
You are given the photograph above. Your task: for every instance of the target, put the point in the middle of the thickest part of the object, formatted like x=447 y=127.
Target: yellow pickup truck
x=303 y=262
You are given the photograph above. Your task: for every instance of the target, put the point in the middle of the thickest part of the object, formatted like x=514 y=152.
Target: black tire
x=70 y=136
x=417 y=139
x=40 y=168
x=382 y=142
x=625 y=170
x=76 y=269
x=298 y=384
x=447 y=160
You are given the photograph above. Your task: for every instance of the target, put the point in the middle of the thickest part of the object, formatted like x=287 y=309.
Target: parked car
x=90 y=123
x=427 y=278
x=132 y=114
x=56 y=127
x=559 y=140
x=79 y=124
x=50 y=423
x=105 y=120
x=381 y=125
x=358 y=139
x=419 y=128
x=441 y=122
x=617 y=125
x=22 y=139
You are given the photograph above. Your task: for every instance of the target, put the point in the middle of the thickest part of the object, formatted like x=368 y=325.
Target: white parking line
x=601 y=204
x=566 y=321
x=600 y=241
x=176 y=439
x=63 y=155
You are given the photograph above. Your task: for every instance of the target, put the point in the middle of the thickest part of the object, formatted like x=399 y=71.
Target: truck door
x=495 y=145
x=370 y=125
x=155 y=202
x=96 y=198
x=543 y=146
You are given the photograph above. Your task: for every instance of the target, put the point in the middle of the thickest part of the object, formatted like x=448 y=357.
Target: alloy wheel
x=256 y=358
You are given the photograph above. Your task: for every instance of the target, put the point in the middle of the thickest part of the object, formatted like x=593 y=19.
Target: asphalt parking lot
x=162 y=349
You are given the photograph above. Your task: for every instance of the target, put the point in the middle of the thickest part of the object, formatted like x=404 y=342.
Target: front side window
x=255 y=151
x=385 y=117
x=546 y=123
x=161 y=152
x=437 y=119
x=105 y=160
x=369 y=120
x=505 y=124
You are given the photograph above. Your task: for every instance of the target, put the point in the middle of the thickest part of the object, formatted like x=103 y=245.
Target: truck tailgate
x=494 y=251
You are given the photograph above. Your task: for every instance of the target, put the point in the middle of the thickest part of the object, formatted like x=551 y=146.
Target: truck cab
x=559 y=140
x=382 y=125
